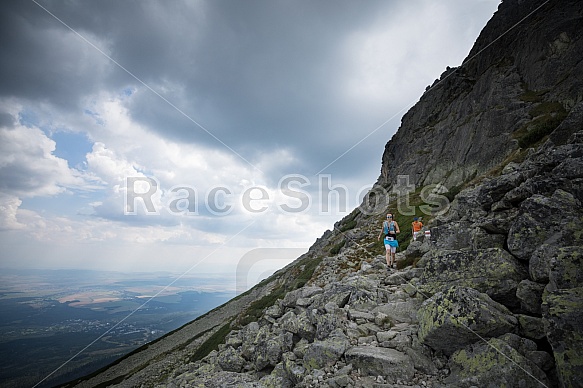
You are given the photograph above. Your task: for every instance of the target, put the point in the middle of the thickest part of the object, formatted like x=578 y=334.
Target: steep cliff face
x=519 y=80
x=492 y=297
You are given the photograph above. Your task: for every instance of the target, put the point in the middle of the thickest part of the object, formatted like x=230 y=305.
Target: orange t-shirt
x=417 y=226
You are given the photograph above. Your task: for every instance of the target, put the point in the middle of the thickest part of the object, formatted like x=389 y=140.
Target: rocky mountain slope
x=492 y=158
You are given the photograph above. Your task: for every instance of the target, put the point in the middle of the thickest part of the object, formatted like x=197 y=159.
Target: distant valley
x=68 y=323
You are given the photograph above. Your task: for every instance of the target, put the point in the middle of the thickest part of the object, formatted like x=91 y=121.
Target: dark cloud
x=41 y=62
x=256 y=75
x=6 y=120
x=262 y=74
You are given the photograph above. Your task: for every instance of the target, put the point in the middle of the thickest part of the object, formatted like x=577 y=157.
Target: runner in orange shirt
x=416 y=226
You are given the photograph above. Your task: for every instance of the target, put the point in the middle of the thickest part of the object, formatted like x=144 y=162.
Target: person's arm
x=397 y=227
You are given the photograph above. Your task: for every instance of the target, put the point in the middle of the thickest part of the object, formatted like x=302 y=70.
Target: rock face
x=474 y=116
x=492 y=297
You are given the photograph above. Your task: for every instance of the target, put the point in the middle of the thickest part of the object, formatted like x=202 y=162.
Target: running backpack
x=388 y=227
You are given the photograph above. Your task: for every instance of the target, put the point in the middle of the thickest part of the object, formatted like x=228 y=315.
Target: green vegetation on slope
x=212 y=343
x=546 y=116
x=297 y=276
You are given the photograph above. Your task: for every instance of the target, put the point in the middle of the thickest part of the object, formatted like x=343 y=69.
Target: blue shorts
x=391 y=243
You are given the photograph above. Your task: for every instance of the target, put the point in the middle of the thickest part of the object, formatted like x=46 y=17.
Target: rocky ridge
x=489 y=303
x=494 y=297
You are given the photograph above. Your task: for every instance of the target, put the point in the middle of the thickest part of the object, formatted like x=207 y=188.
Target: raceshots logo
x=294 y=194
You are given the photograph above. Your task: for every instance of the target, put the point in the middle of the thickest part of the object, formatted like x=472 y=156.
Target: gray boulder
x=492 y=271
x=399 y=311
x=563 y=314
x=220 y=380
x=494 y=364
x=268 y=352
x=498 y=222
x=363 y=300
x=416 y=249
x=336 y=294
x=376 y=361
x=567 y=270
x=421 y=362
x=461 y=316
x=230 y=360
x=453 y=235
x=531 y=296
x=292 y=297
x=530 y=327
x=328 y=322
x=325 y=353
x=552 y=220
x=294 y=371
x=542 y=359
x=539 y=264
x=298 y=324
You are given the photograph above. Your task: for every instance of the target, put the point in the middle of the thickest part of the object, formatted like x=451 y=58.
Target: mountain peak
x=522 y=72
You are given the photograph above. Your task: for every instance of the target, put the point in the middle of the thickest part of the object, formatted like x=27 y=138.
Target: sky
x=206 y=136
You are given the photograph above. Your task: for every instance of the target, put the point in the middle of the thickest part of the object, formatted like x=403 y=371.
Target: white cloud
x=391 y=63
x=29 y=168
x=8 y=207
x=123 y=148
x=134 y=151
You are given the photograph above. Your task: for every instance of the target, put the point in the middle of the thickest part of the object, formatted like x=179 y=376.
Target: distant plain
x=73 y=322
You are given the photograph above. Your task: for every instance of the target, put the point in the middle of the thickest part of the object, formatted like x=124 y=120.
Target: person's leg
x=388 y=255
x=393 y=255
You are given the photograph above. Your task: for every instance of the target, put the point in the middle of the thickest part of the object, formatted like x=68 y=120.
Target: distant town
x=59 y=325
